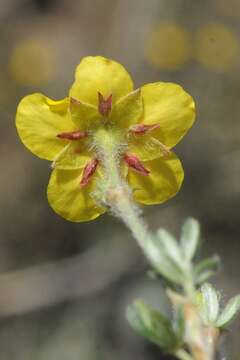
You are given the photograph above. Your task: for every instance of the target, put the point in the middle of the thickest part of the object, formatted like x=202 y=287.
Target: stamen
x=88 y=171
x=134 y=162
x=104 y=105
x=141 y=129
x=72 y=135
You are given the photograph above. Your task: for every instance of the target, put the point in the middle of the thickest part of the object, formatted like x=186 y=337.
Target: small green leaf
x=190 y=238
x=171 y=247
x=209 y=305
x=205 y=269
x=156 y=252
x=229 y=312
x=152 y=325
x=179 y=324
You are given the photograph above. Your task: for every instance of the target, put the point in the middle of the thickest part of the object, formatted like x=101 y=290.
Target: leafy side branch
x=198 y=319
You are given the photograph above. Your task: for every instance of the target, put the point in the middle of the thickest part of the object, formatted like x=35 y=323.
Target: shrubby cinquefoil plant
x=111 y=147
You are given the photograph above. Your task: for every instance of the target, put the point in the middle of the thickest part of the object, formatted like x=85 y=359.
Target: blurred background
x=64 y=287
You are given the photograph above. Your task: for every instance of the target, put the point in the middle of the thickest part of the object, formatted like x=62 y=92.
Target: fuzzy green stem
x=114 y=189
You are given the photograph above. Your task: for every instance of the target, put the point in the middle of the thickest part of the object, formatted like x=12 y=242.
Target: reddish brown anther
x=134 y=163
x=141 y=129
x=88 y=171
x=104 y=105
x=72 y=135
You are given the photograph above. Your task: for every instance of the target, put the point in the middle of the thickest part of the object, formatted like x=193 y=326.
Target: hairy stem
x=115 y=190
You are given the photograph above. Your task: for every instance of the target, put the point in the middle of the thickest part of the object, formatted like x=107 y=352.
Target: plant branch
x=116 y=194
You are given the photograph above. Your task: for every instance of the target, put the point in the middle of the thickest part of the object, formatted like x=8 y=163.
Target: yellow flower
x=102 y=111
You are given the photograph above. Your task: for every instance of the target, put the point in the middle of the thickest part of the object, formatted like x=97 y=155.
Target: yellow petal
x=39 y=120
x=163 y=182
x=84 y=115
x=171 y=107
x=128 y=110
x=98 y=74
x=146 y=147
x=75 y=155
x=71 y=201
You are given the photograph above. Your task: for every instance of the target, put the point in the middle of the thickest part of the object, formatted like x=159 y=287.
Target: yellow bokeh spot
x=32 y=62
x=168 y=46
x=216 y=47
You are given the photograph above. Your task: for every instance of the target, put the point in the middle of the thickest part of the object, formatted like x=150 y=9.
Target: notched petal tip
x=38 y=120
x=96 y=73
x=172 y=107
